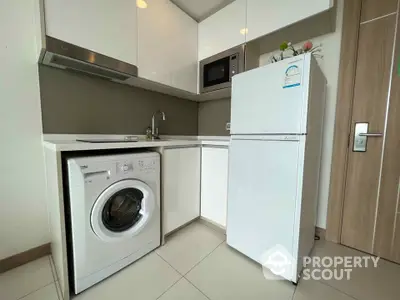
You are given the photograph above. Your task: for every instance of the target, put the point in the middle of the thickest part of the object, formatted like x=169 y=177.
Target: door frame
x=343 y=116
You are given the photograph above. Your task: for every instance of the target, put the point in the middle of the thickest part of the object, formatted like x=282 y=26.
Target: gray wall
x=78 y=104
x=213 y=116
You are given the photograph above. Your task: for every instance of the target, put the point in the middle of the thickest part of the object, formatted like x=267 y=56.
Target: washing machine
x=114 y=205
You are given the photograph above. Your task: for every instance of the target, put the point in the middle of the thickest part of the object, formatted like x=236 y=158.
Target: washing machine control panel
x=147 y=165
x=140 y=165
x=124 y=167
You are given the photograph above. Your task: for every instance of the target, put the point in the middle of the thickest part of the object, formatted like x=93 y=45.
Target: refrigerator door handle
x=272 y=137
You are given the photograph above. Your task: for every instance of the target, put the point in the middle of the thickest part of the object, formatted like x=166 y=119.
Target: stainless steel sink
x=126 y=139
x=105 y=141
x=159 y=140
x=120 y=140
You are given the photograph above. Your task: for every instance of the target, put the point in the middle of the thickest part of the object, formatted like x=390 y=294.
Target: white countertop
x=68 y=142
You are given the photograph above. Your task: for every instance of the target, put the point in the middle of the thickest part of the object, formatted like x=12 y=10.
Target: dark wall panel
x=213 y=116
x=78 y=104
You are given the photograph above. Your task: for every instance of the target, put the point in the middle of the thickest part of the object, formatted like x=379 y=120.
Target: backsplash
x=213 y=116
x=79 y=104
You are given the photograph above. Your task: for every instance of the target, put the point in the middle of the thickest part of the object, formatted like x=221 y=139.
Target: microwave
x=216 y=72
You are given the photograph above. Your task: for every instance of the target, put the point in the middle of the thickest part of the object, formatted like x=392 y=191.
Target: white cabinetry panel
x=167 y=51
x=264 y=17
x=223 y=30
x=181 y=187
x=104 y=26
x=214 y=184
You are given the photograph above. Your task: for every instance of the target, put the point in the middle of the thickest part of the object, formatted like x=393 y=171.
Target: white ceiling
x=201 y=9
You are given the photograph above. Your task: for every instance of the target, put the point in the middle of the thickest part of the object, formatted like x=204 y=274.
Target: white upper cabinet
x=167 y=50
x=264 y=17
x=108 y=27
x=223 y=30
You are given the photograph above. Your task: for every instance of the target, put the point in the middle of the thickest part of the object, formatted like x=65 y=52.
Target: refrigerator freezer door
x=271 y=99
x=262 y=197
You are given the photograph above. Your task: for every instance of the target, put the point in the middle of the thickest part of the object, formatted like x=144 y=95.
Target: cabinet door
x=264 y=17
x=223 y=30
x=167 y=50
x=214 y=184
x=181 y=187
x=104 y=26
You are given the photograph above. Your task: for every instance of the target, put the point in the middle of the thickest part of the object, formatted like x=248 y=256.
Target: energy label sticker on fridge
x=292 y=77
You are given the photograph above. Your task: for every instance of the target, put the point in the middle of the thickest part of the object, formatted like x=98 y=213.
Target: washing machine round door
x=122 y=210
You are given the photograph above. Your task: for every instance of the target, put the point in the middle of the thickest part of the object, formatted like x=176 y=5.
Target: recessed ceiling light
x=244 y=31
x=141 y=3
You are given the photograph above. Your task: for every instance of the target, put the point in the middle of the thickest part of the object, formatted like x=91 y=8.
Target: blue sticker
x=292 y=77
x=292 y=85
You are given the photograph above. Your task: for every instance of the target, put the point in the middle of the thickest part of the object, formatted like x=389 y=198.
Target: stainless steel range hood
x=63 y=55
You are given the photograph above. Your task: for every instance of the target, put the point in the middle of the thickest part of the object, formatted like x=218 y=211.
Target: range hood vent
x=63 y=55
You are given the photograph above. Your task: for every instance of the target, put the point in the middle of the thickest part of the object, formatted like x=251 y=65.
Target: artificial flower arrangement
x=307 y=47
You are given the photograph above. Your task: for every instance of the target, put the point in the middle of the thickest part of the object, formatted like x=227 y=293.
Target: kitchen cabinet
x=167 y=51
x=223 y=30
x=214 y=184
x=180 y=186
x=104 y=26
x=264 y=17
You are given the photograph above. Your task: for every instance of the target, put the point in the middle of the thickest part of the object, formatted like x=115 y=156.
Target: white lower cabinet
x=181 y=187
x=214 y=184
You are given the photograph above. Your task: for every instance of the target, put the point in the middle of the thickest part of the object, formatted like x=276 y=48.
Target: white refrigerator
x=274 y=160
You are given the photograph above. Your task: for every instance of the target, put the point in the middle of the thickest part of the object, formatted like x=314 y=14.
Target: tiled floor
x=197 y=264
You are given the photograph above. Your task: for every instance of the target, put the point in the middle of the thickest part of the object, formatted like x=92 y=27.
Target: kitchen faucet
x=154 y=129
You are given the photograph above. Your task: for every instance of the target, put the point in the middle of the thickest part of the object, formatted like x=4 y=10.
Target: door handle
x=361 y=136
x=371 y=134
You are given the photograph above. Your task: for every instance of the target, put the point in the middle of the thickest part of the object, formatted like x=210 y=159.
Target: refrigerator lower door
x=263 y=198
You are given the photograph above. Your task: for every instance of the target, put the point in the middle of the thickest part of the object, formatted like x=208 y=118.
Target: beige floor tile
x=365 y=283
x=45 y=293
x=226 y=274
x=145 y=279
x=183 y=290
x=314 y=290
x=25 y=279
x=186 y=248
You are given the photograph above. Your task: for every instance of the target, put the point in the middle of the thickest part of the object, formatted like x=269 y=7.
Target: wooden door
x=387 y=230
x=371 y=191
